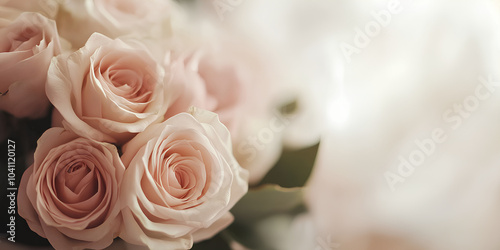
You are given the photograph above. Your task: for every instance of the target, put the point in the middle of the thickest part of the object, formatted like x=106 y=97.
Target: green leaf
x=267 y=200
x=258 y=206
x=293 y=168
x=217 y=242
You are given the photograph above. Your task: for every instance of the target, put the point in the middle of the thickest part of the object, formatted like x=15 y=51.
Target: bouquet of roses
x=145 y=121
x=164 y=124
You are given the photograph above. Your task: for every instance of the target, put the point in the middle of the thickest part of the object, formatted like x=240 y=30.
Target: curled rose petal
x=27 y=46
x=227 y=79
x=183 y=179
x=70 y=195
x=108 y=90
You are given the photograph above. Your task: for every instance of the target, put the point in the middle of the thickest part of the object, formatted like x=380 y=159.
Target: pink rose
x=27 y=45
x=182 y=179
x=109 y=90
x=224 y=83
x=235 y=82
x=70 y=195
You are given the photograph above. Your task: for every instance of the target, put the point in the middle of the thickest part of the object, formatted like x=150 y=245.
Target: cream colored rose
x=48 y=8
x=182 y=179
x=233 y=82
x=27 y=45
x=222 y=85
x=109 y=90
x=70 y=195
x=145 y=18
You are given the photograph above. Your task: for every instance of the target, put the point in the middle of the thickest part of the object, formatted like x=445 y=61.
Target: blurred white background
x=375 y=80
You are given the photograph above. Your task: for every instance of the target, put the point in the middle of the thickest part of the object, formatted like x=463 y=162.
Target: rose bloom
x=108 y=90
x=70 y=195
x=227 y=79
x=144 y=18
x=227 y=83
x=27 y=45
x=216 y=83
x=182 y=179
